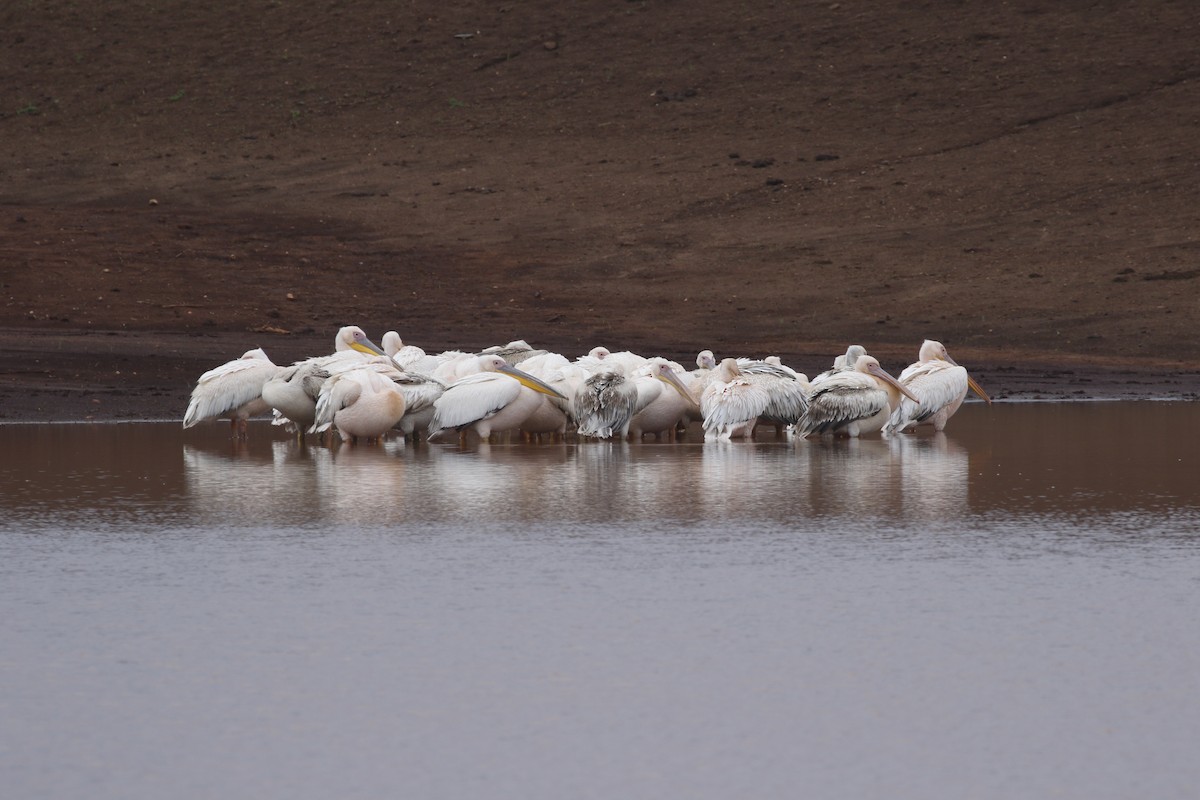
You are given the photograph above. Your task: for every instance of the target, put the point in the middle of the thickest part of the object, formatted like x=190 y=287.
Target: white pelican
x=293 y=392
x=605 y=402
x=514 y=352
x=553 y=415
x=497 y=398
x=352 y=337
x=939 y=382
x=455 y=364
x=601 y=357
x=842 y=363
x=732 y=403
x=698 y=380
x=852 y=402
x=361 y=402
x=232 y=390
x=420 y=393
x=787 y=391
x=663 y=399
x=406 y=356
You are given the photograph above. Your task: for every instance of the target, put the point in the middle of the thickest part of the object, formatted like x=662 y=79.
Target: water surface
x=1005 y=610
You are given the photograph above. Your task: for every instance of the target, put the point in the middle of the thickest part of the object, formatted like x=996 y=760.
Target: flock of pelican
x=365 y=391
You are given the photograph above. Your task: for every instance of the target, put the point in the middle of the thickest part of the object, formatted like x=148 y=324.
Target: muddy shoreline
x=104 y=376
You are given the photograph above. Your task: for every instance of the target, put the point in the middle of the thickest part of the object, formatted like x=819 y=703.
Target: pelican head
x=727 y=370
x=931 y=351
x=869 y=365
x=498 y=364
x=599 y=353
x=353 y=337
x=706 y=360
x=392 y=343
x=663 y=371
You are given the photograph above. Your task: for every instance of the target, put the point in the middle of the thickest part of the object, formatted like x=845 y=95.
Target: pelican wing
x=338 y=392
x=763 y=368
x=733 y=403
x=420 y=391
x=226 y=388
x=408 y=356
x=604 y=403
x=936 y=384
x=471 y=399
x=840 y=400
x=786 y=398
x=648 y=390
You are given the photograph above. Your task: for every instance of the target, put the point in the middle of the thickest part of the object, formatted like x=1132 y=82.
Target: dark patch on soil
x=180 y=182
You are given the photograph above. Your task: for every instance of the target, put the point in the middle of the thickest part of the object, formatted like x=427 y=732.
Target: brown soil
x=182 y=181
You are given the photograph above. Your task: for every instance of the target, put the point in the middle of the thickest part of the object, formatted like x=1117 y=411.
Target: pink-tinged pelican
x=352 y=337
x=406 y=356
x=731 y=403
x=852 y=403
x=232 y=390
x=294 y=390
x=496 y=398
x=663 y=399
x=939 y=382
x=361 y=403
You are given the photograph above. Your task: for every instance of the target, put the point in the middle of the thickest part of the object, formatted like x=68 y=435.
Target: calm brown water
x=1007 y=610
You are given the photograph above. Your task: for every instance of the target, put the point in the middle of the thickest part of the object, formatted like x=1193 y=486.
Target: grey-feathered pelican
x=731 y=403
x=787 y=391
x=852 y=403
x=605 y=401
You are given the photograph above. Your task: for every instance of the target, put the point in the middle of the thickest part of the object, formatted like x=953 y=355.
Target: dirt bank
x=180 y=182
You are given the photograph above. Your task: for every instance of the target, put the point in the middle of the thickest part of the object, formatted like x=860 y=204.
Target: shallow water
x=1006 y=610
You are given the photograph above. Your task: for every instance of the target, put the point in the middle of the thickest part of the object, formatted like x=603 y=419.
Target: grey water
x=1005 y=610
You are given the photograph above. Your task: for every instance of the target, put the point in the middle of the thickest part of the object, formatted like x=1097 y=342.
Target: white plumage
x=787 y=391
x=420 y=393
x=294 y=391
x=731 y=403
x=842 y=363
x=361 y=403
x=939 y=383
x=406 y=356
x=664 y=399
x=232 y=390
x=853 y=402
x=496 y=398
